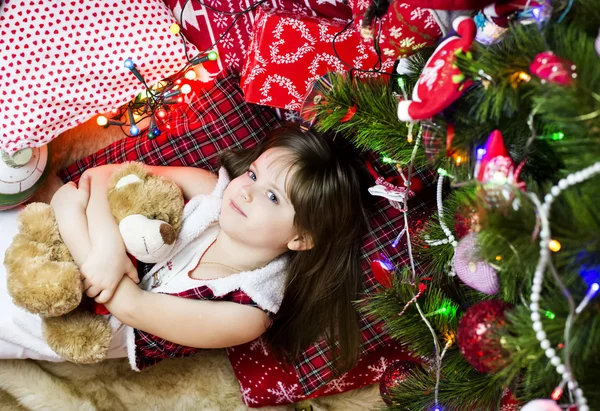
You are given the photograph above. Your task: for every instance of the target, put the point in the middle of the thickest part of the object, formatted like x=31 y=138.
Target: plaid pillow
x=219 y=118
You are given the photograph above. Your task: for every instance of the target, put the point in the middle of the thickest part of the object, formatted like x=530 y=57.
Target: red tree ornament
x=465 y=218
x=549 y=67
x=383 y=270
x=441 y=83
x=496 y=170
x=477 y=336
x=393 y=376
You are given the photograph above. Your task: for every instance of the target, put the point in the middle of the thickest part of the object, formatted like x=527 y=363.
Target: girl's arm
x=191 y=180
x=193 y=323
x=69 y=204
x=108 y=261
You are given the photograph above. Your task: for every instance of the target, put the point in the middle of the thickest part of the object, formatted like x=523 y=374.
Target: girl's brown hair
x=326 y=191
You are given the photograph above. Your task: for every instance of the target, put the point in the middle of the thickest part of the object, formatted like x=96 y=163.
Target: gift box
x=288 y=52
x=405 y=28
x=204 y=22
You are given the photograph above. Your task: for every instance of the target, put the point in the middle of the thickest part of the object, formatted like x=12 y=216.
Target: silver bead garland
x=545 y=236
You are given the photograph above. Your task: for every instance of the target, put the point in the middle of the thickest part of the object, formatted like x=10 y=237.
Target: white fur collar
x=196 y=219
x=264 y=285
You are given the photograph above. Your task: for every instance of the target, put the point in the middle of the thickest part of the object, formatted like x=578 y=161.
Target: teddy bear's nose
x=167 y=233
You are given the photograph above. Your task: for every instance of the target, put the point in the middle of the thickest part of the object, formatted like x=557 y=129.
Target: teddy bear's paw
x=43 y=287
x=80 y=336
x=38 y=224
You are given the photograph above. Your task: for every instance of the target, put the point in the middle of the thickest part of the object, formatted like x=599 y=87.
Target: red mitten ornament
x=441 y=83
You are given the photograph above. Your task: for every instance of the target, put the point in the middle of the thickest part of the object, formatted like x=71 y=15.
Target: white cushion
x=61 y=62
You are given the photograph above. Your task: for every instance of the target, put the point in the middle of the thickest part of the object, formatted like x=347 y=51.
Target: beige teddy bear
x=43 y=279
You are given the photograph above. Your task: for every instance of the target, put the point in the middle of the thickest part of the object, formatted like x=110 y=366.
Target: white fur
x=196 y=219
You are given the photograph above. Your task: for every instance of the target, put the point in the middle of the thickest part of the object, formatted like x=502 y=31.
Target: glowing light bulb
x=554 y=245
x=557 y=393
x=134 y=130
x=186 y=89
x=175 y=29
x=162 y=113
x=458 y=160
x=480 y=153
x=177 y=82
x=190 y=74
x=524 y=76
x=498 y=258
x=114 y=110
x=129 y=64
x=102 y=121
x=180 y=100
x=213 y=55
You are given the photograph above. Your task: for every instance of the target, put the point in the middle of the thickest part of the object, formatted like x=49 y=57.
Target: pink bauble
x=541 y=405
x=471 y=270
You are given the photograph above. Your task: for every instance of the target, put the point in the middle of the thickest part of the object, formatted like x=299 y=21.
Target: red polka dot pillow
x=61 y=62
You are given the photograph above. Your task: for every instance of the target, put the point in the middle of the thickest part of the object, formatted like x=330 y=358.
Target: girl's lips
x=236 y=208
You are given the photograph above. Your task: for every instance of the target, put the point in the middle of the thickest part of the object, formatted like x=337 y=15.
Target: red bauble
x=393 y=376
x=553 y=69
x=463 y=220
x=477 y=337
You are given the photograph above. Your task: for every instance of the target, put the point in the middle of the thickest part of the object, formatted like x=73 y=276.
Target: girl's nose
x=246 y=196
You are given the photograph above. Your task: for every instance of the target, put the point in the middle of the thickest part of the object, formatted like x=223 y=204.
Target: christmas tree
x=509 y=265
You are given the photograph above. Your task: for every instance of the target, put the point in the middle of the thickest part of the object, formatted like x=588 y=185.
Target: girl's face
x=255 y=209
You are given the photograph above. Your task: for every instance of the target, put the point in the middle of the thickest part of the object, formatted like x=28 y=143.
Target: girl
x=269 y=247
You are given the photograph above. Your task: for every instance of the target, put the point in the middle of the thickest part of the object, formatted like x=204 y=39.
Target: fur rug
x=203 y=382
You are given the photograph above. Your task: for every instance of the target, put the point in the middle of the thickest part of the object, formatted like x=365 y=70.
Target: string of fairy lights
x=156 y=101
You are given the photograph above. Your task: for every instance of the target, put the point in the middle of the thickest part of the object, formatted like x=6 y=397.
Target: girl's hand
x=124 y=300
x=103 y=270
x=69 y=195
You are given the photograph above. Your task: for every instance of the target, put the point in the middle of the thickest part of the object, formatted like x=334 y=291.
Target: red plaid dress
x=262 y=288
x=151 y=349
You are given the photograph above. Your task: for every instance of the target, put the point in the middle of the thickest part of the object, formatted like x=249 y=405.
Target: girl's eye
x=252 y=175
x=273 y=197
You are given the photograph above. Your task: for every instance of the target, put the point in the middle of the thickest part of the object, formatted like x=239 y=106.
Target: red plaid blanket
x=219 y=118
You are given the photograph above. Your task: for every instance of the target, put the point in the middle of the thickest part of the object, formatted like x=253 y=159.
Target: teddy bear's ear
x=128 y=179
